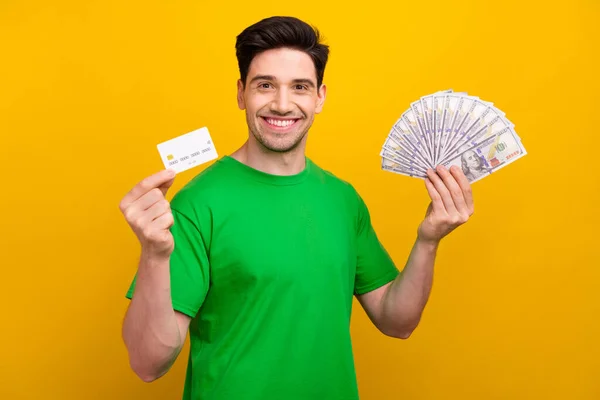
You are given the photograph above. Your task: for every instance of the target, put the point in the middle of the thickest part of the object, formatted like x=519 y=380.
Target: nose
x=282 y=103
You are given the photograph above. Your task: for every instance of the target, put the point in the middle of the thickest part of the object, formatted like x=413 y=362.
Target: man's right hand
x=148 y=213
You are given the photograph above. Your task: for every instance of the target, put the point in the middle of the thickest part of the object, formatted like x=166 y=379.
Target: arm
x=396 y=308
x=152 y=331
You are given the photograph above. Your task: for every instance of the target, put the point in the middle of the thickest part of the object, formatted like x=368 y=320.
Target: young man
x=260 y=255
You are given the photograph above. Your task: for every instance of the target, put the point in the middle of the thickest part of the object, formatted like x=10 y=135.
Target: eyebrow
x=305 y=81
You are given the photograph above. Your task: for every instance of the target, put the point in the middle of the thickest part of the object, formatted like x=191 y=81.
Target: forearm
x=405 y=299
x=150 y=330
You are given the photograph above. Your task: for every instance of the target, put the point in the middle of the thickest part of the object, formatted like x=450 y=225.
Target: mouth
x=280 y=124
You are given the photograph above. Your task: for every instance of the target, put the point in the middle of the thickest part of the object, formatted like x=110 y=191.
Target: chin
x=279 y=144
x=280 y=147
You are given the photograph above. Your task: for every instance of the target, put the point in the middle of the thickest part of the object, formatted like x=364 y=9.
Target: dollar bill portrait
x=473 y=165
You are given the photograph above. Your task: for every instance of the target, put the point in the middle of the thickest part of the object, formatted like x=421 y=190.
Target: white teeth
x=278 y=122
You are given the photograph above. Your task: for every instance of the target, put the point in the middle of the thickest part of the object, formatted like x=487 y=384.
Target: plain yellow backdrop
x=88 y=88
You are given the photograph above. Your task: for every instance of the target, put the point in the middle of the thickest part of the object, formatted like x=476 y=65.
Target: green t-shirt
x=267 y=267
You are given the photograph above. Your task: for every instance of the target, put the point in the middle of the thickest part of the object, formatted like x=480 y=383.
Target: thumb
x=164 y=188
x=429 y=209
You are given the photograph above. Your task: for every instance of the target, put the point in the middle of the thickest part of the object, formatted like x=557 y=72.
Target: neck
x=256 y=156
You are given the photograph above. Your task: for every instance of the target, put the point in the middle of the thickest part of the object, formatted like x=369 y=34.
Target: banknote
x=391 y=166
x=403 y=135
x=451 y=128
x=471 y=115
x=454 y=105
x=411 y=122
x=483 y=129
x=398 y=155
x=437 y=123
x=490 y=155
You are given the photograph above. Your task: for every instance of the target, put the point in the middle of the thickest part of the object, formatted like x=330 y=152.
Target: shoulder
x=331 y=178
x=204 y=188
x=337 y=184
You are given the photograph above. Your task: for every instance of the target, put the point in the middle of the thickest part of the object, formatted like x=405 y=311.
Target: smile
x=281 y=125
x=279 y=122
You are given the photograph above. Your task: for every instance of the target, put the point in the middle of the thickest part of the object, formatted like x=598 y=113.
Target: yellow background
x=88 y=88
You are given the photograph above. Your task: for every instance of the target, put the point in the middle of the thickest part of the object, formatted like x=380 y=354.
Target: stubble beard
x=284 y=143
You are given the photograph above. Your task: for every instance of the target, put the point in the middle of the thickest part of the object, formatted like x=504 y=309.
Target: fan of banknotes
x=451 y=128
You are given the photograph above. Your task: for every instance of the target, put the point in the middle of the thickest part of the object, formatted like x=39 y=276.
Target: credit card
x=188 y=150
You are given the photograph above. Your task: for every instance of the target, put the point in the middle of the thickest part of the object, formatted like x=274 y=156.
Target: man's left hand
x=451 y=203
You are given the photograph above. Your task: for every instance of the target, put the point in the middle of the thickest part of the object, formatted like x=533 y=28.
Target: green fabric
x=267 y=267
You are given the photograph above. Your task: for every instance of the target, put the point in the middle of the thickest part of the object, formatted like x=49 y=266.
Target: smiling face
x=281 y=98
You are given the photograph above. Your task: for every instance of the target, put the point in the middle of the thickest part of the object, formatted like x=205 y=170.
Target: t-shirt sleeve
x=374 y=266
x=189 y=265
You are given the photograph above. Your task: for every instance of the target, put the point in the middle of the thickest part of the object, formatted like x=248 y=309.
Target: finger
x=443 y=191
x=165 y=221
x=138 y=209
x=454 y=189
x=159 y=208
x=149 y=199
x=436 y=200
x=157 y=180
x=142 y=211
x=465 y=186
x=165 y=186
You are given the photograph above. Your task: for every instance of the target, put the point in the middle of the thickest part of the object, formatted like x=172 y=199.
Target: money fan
x=451 y=128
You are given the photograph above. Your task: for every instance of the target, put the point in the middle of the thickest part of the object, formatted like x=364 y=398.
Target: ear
x=321 y=98
x=240 y=95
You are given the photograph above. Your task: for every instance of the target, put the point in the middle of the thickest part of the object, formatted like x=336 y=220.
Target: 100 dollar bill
x=489 y=155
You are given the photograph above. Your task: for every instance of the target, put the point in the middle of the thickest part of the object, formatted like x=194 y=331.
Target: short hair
x=279 y=32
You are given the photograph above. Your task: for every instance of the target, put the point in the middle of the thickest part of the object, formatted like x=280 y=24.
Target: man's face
x=471 y=159
x=281 y=98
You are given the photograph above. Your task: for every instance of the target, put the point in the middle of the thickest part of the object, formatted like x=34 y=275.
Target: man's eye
x=264 y=85
x=300 y=87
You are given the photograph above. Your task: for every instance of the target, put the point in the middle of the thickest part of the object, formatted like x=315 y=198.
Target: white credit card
x=188 y=150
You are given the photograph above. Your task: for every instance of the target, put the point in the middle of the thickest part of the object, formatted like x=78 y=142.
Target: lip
x=280 y=129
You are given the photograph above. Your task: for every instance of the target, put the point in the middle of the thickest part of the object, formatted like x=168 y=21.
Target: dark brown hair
x=277 y=32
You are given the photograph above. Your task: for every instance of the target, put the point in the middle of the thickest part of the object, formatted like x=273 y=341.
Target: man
x=259 y=256
x=473 y=165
